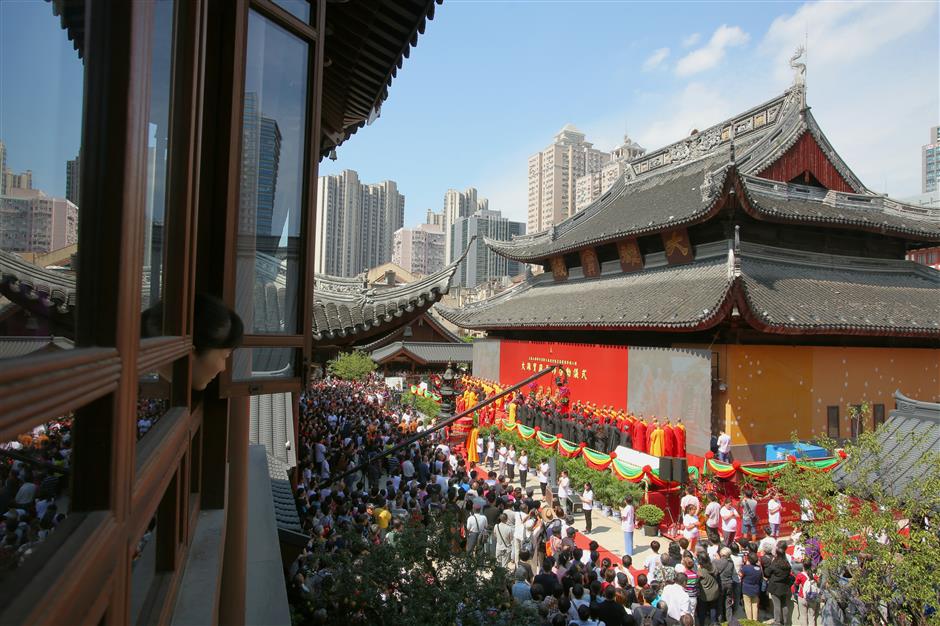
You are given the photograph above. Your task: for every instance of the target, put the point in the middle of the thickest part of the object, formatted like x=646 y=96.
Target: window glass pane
x=298 y=8
x=41 y=100
x=153 y=398
x=158 y=133
x=261 y=363
x=34 y=500
x=274 y=128
x=832 y=419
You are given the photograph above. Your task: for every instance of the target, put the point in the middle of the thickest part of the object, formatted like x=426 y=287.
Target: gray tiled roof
x=427 y=352
x=681 y=184
x=909 y=441
x=271 y=424
x=676 y=297
x=800 y=203
x=785 y=292
x=285 y=508
x=11 y=347
x=822 y=293
x=666 y=200
x=343 y=307
x=51 y=287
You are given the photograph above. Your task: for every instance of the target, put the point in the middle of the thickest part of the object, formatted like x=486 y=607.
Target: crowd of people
x=600 y=428
x=31 y=486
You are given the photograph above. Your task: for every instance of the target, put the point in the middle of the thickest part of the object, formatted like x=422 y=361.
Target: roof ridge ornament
x=799 y=74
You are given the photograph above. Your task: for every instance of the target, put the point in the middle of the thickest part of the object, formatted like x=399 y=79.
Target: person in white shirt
x=480 y=444
x=564 y=491
x=806 y=511
x=724 y=447
x=587 y=505
x=543 y=475
x=523 y=468
x=773 y=514
x=729 y=521
x=503 y=533
x=690 y=498
x=627 y=524
x=490 y=452
x=503 y=453
x=690 y=526
x=653 y=563
x=712 y=518
x=676 y=598
x=768 y=544
x=476 y=528
x=408 y=469
x=511 y=462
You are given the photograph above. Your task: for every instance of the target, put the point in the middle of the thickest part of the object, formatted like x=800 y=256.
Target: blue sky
x=491 y=82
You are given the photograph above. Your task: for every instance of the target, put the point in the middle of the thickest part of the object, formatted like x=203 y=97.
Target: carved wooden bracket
x=559 y=269
x=589 y=263
x=678 y=248
x=630 y=258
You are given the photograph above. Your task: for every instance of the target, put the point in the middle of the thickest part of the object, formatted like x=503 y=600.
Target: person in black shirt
x=610 y=611
x=546 y=579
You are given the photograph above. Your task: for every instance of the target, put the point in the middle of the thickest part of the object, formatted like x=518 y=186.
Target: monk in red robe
x=649 y=433
x=639 y=436
x=669 y=439
x=679 y=430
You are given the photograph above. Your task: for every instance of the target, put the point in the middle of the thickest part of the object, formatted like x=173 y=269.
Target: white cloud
x=655 y=59
x=839 y=33
x=697 y=106
x=691 y=40
x=712 y=53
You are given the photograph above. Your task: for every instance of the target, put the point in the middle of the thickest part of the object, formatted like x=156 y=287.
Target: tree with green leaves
x=879 y=540
x=355 y=365
x=423 y=577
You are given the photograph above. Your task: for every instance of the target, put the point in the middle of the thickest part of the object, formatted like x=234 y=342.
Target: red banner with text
x=596 y=373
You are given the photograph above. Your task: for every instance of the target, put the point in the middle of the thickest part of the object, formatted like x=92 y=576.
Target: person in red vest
x=669 y=439
x=639 y=435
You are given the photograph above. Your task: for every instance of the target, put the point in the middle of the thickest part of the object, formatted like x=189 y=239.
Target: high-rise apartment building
x=482 y=264
x=72 y=177
x=261 y=148
x=419 y=250
x=435 y=218
x=592 y=186
x=552 y=176
x=31 y=221
x=930 y=162
x=3 y=168
x=459 y=204
x=356 y=223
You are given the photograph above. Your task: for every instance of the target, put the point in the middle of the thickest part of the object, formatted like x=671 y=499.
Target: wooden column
x=678 y=247
x=631 y=260
x=559 y=269
x=589 y=263
x=232 y=606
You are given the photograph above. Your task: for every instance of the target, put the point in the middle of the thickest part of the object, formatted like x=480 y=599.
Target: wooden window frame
x=235 y=106
x=876 y=419
x=84 y=567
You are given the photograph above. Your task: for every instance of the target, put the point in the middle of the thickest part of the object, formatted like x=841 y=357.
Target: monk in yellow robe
x=471 y=445
x=657 y=440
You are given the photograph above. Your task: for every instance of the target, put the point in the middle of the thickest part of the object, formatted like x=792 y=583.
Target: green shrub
x=355 y=365
x=650 y=514
x=422 y=403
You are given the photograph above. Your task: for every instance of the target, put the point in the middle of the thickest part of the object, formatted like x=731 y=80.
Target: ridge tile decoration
x=678 y=248
x=631 y=260
x=590 y=264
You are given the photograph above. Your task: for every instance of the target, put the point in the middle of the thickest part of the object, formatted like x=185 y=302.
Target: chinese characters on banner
x=595 y=373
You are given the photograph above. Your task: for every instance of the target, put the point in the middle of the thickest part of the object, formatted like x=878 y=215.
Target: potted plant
x=651 y=515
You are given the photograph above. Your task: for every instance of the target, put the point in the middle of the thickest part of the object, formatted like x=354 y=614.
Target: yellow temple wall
x=773 y=391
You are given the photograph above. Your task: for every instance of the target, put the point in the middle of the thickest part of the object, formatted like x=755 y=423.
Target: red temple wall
x=806 y=155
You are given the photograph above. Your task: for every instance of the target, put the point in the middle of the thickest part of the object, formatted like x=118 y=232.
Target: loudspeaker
x=680 y=470
x=665 y=469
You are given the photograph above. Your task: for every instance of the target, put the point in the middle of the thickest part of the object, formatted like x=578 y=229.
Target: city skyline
x=654 y=73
